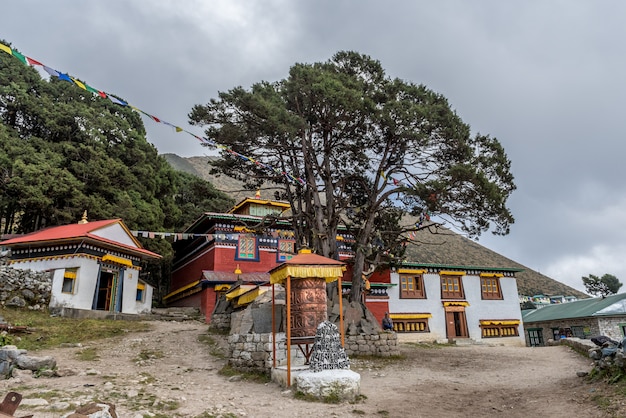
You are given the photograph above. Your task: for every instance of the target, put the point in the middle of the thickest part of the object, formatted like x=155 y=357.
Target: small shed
x=94 y=266
x=583 y=318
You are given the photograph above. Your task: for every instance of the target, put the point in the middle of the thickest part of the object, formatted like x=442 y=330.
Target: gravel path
x=169 y=372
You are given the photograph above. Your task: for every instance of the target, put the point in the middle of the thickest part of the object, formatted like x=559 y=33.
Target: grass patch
x=146 y=378
x=602 y=401
x=333 y=396
x=374 y=362
x=256 y=377
x=166 y=405
x=218 y=331
x=88 y=354
x=6 y=339
x=49 y=332
x=149 y=355
x=49 y=394
x=427 y=345
x=359 y=399
x=208 y=414
x=214 y=348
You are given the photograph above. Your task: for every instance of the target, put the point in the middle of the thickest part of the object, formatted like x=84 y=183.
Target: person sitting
x=387 y=323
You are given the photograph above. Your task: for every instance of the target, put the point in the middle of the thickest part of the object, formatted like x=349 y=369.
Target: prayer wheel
x=308 y=306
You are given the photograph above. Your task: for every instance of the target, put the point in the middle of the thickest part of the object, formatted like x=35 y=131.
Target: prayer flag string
x=63 y=76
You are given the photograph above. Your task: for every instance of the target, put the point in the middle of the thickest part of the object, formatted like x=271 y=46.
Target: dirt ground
x=169 y=372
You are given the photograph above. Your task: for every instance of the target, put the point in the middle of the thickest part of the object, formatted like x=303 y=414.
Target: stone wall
x=383 y=344
x=253 y=352
x=220 y=321
x=609 y=360
x=24 y=288
x=609 y=326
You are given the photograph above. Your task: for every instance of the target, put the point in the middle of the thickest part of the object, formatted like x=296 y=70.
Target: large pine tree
x=368 y=148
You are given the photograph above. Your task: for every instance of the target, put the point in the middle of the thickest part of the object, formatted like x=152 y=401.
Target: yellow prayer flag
x=6 y=49
x=179 y=129
x=79 y=84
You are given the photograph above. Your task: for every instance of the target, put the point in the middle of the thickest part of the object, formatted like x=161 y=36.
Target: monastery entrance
x=106 y=292
x=456 y=324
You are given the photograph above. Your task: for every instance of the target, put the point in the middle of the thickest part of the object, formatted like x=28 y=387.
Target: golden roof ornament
x=84 y=219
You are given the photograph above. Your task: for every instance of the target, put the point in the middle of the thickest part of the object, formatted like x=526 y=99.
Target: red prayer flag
x=33 y=62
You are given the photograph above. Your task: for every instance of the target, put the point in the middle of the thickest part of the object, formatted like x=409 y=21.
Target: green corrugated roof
x=608 y=306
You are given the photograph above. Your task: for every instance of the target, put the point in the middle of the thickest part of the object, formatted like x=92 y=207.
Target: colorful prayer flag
x=20 y=57
x=51 y=71
x=33 y=62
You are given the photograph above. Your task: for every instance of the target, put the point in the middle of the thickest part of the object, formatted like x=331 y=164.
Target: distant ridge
x=446 y=247
x=200 y=167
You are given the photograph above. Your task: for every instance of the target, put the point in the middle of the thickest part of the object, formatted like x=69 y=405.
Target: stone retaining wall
x=383 y=344
x=253 y=352
x=24 y=288
x=221 y=321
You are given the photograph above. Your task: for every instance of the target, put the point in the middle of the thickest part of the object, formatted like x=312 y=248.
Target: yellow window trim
x=410 y=316
x=411 y=271
x=141 y=286
x=69 y=274
x=496 y=322
x=491 y=275
x=117 y=260
x=451 y=273
x=459 y=303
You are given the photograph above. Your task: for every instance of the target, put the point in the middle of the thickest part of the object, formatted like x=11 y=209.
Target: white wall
x=85 y=284
x=115 y=232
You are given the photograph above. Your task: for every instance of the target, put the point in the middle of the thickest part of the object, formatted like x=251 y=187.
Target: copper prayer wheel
x=308 y=306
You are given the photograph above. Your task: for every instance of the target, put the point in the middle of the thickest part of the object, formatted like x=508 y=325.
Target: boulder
x=94 y=410
x=35 y=363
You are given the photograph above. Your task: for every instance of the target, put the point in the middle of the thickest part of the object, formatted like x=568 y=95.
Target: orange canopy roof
x=307 y=264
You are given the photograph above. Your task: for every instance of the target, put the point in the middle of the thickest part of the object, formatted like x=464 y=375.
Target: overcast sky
x=547 y=78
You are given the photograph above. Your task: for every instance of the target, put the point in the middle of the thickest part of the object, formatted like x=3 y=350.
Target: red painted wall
x=192 y=271
x=207 y=303
x=225 y=261
x=378 y=309
x=381 y=276
x=192 y=301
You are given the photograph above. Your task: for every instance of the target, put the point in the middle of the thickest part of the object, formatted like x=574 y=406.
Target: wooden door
x=456 y=324
x=106 y=291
